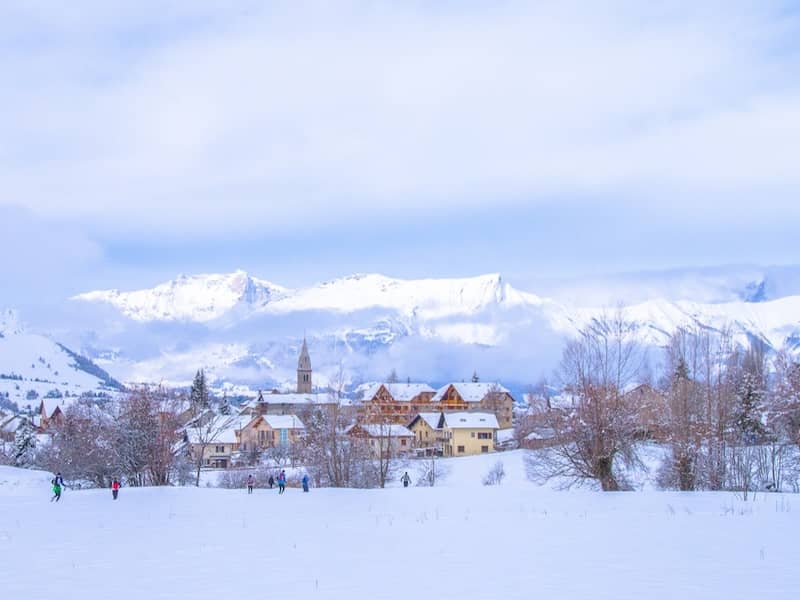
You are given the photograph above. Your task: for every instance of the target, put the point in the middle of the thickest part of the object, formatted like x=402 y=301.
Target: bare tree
x=597 y=428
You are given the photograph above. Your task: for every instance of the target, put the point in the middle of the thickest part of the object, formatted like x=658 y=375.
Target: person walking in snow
x=115 y=485
x=305 y=482
x=281 y=481
x=271 y=481
x=56 y=490
x=405 y=479
x=59 y=480
x=249 y=484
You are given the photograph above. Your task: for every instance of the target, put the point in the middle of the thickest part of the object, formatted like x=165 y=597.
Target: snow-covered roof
x=470 y=420
x=10 y=425
x=226 y=435
x=505 y=435
x=385 y=430
x=283 y=421
x=470 y=391
x=401 y=392
x=269 y=398
x=431 y=418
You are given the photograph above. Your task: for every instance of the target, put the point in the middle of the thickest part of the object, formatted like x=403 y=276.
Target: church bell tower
x=304 y=370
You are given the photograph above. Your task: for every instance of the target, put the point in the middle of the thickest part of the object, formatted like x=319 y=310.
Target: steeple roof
x=304 y=362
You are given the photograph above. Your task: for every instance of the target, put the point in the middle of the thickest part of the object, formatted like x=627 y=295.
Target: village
x=391 y=420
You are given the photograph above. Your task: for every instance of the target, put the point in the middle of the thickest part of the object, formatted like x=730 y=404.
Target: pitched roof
x=431 y=418
x=471 y=391
x=384 y=430
x=401 y=392
x=469 y=420
x=283 y=421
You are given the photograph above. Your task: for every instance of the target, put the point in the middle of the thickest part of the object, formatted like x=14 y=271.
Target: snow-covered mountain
x=247 y=329
x=34 y=368
x=199 y=298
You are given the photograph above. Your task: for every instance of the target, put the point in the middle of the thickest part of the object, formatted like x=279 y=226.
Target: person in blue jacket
x=305 y=482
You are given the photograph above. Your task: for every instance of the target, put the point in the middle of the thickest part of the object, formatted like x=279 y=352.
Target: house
x=384 y=439
x=467 y=433
x=219 y=452
x=263 y=432
x=393 y=402
x=476 y=396
x=428 y=438
x=652 y=410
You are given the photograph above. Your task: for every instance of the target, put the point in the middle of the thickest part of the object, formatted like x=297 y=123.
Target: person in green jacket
x=56 y=491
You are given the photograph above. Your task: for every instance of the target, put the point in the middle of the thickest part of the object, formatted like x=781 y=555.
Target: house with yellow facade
x=217 y=440
x=428 y=438
x=467 y=433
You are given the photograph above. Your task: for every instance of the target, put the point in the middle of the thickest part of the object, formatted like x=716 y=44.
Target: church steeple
x=304 y=370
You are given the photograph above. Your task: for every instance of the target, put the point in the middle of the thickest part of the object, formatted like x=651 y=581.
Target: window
x=220 y=449
x=472 y=434
x=460 y=449
x=403 y=442
x=484 y=436
x=485 y=449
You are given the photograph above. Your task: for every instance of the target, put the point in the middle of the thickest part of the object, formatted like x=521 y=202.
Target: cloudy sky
x=303 y=141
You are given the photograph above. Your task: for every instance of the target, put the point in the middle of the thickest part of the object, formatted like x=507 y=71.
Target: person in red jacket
x=115 y=485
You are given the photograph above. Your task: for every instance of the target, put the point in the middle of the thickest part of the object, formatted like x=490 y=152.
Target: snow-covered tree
x=24 y=444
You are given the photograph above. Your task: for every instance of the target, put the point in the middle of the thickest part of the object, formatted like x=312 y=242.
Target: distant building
x=384 y=439
x=476 y=396
x=277 y=403
x=393 y=402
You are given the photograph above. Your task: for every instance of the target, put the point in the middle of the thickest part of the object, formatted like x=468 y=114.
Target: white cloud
x=203 y=119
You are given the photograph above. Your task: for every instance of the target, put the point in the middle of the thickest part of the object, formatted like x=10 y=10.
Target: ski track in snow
x=459 y=540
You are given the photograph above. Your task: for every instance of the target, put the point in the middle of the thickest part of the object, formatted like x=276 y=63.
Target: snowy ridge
x=427 y=328
x=198 y=298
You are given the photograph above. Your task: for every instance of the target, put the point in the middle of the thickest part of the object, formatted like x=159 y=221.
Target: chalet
x=428 y=438
x=271 y=431
x=467 y=433
x=393 y=402
x=384 y=439
x=478 y=397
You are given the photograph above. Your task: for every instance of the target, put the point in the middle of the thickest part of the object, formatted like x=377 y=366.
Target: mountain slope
x=34 y=368
x=246 y=329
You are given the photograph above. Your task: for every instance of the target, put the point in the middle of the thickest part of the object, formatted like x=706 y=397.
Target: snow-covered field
x=459 y=540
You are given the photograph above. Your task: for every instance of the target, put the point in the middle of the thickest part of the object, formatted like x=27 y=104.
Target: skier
x=271 y=481
x=405 y=479
x=56 y=489
x=305 y=482
x=115 y=485
x=59 y=479
x=281 y=481
x=249 y=484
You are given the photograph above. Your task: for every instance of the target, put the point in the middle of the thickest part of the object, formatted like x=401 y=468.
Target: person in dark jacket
x=405 y=479
x=305 y=482
x=59 y=479
x=271 y=481
x=115 y=485
x=249 y=484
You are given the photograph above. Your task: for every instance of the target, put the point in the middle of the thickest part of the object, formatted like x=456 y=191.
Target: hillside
x=34 y=368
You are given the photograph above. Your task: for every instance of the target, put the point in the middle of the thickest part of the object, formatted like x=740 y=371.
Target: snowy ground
x=460 y=540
